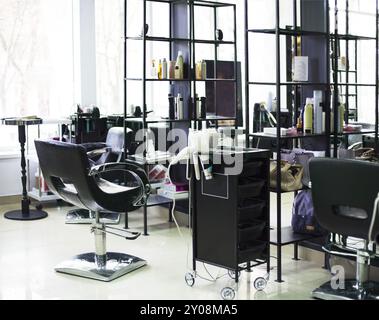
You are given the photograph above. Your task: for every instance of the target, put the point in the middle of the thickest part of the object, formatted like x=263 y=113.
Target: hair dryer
x=199 y=144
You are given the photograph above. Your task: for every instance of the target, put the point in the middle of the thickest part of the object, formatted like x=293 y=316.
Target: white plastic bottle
x=164 y=68
x=179 y=67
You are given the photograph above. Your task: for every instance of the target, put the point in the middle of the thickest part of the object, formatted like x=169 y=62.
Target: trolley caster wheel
x=228 y=293
x=39 y=206
x=232 y=274
x=260 y=283
x=190 y=279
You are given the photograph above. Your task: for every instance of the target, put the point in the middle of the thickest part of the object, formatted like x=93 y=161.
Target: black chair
x=345 y=196
x=100 y=153
x=69 y=174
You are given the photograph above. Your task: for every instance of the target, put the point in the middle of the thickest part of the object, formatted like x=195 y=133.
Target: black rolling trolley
x=231 y=216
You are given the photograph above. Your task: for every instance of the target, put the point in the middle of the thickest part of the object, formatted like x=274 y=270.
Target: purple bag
x=303 y=218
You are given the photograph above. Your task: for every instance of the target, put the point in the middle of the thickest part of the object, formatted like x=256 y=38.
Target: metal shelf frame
x=190 y=81
x=283 y=235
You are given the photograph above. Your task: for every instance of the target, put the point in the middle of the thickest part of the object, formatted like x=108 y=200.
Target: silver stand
x=83 y=216
x=102 y=265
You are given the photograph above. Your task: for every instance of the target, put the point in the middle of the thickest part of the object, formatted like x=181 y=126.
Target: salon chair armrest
x=125 y=166
x=90 y=146
x=98 y=152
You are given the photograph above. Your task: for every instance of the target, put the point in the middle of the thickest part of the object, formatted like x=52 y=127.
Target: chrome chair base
x=326 y=292
x=115 y=266
x=82 y=216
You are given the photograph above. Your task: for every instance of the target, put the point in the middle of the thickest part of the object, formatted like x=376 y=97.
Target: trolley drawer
x=250 y=230
x=250 y=209
x=249 y=251
x=250 y=187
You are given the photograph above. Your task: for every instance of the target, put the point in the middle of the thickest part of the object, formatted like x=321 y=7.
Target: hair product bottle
x=171 y=69
x=317 y=111
x=203 y=107
x=179 y=107
x=179 y=67
x=171 y=110
x=153 y=71
x=308 y=116
x=197 y=107
x=160 y=70
x=203 y=70
x=164 y=68
x=198 y=72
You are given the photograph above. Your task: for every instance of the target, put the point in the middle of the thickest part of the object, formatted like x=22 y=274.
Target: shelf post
x=377 y=77
x=335 y=80
x=247 y=71
x=278 y=147
x=235 y=67
x=327 y=107
x=347 y=111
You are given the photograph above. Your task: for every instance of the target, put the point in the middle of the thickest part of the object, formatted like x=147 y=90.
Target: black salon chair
x=69 y=174
x=100 y=153
x=346 y=195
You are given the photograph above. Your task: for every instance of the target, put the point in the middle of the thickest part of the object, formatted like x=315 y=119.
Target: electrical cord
x=213 y=279
x=175 y=220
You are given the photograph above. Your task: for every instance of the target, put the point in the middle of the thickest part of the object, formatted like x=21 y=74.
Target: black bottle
x=203 y=107
x=171 y=110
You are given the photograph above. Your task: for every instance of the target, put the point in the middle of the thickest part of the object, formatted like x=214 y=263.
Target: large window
x=109 y=17
x=36 y=61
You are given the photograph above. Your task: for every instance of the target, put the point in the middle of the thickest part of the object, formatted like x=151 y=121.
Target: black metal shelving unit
x=186 y=10
x=336 y=74
x=336 y=137
x=285 y=236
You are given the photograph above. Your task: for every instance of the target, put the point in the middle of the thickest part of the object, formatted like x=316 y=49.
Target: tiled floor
x=30 y=250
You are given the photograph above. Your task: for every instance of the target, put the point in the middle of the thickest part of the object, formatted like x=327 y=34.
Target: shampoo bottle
x=164 y=68
x=308 y=116
x=179 y=67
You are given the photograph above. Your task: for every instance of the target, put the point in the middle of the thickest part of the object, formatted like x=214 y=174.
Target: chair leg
x=100 y=265
x=100 y=242
x=362 y=269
